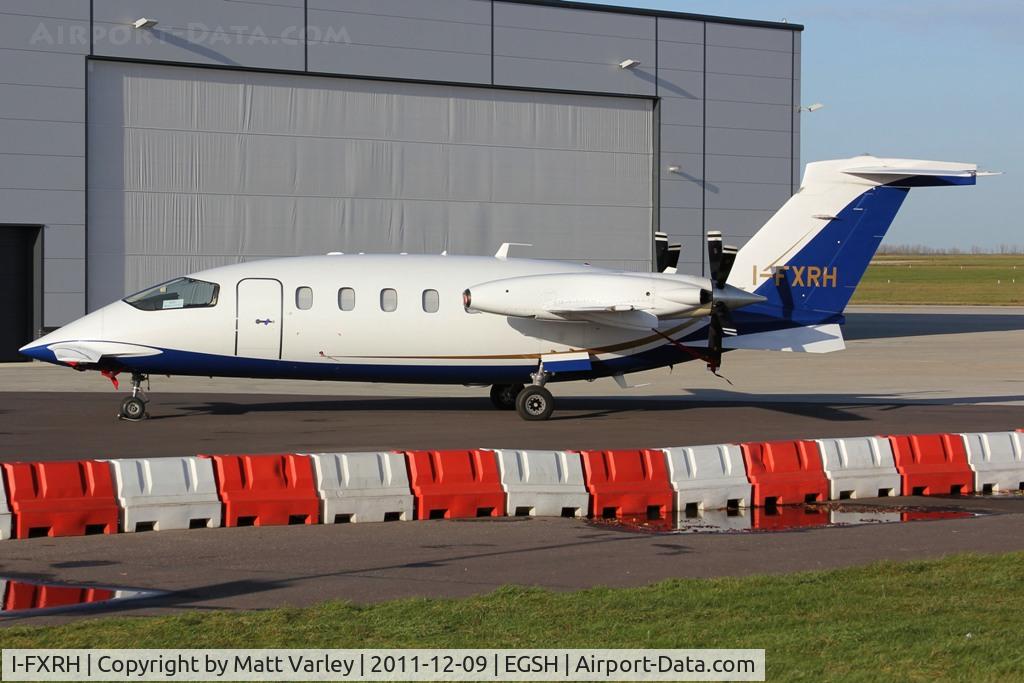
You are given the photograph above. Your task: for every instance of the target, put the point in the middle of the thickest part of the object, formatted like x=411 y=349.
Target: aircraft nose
x=37 y=351
x=87 y=328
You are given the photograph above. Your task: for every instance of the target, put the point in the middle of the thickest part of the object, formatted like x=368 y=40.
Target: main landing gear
x=533 y=403
x=503 y=396
x=133 y=408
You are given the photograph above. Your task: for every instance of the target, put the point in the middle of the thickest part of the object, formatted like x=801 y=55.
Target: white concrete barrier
x=5 y=515
x=708 y=477
x=362 y=487
x=161 y=494
x=543 y=483
x=861 y=467
x=997 y=459
x=164 y=494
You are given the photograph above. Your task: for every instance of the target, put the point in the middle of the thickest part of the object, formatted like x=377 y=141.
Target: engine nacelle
x=547 y=297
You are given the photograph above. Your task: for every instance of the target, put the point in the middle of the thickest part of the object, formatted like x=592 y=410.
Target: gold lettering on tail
x=803 y=276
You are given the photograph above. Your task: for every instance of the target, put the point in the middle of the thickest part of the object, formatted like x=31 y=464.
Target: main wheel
x=535 y=403
x=503 y=396
x=133 y=408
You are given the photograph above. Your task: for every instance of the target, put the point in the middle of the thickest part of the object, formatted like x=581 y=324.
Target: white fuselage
x=266 y=323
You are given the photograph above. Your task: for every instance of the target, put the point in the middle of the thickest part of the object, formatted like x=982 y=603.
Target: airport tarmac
x=907 y=369
x=905 y=353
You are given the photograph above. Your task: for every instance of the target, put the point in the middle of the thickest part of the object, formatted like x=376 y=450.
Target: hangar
x=140 y=140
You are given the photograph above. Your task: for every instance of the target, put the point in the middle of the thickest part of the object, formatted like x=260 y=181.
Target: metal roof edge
x=668 y=14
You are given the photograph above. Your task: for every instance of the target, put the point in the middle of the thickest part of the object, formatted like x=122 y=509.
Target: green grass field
x=960 y=618
x=969 y=279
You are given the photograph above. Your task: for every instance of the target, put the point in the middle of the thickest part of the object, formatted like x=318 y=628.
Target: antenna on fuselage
x=503 y=249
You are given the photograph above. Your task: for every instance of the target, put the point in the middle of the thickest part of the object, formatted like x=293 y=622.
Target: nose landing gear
x=133 y=408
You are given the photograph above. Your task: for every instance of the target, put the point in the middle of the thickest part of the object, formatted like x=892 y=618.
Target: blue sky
x=925 y=79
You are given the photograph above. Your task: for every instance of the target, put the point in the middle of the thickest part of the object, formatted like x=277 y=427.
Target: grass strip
x=959 y=279
x=959 y=618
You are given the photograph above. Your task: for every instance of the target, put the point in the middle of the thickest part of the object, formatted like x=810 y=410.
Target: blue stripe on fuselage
x=177 y=362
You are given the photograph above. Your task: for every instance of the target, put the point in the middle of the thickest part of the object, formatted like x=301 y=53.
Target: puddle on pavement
x=782 y=518
x=19 y=597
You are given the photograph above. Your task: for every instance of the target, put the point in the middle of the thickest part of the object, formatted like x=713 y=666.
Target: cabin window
x=347 y=299
x=304 y=298
x=185 y=292
x=388 y=300
x=431 y=301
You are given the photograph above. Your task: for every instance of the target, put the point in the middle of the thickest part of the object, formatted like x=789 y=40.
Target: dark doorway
x=20 y=288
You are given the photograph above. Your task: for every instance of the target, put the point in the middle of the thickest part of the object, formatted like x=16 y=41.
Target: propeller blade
x=714 y=253
x=725 y=265
x=674 y=252
x=722 y=311
x=721 y=259
x=715 y=333
x=721 y=326
x=661 y=257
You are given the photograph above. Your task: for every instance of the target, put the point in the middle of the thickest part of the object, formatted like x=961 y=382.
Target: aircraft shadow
x=831 y=407
x=868 y=325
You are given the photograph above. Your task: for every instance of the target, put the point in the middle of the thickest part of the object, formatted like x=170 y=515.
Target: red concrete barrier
x=22 y=596
x=71 y=498
x=266 y=490
x=789 y=517
x=455 y=484
x=785 y=472
x=932 y=464
x=628 y=483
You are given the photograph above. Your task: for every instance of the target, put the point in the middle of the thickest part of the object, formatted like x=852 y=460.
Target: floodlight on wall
x=144 y=23
x=813 y=107
x=675 y=169
x=630 y=64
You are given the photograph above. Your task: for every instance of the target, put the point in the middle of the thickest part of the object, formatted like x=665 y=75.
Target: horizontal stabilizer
x=810 y=339
x=896 y=170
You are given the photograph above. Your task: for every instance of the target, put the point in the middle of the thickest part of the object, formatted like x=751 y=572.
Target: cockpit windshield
x=184 y=292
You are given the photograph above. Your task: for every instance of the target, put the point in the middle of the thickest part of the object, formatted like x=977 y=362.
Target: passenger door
x=258 y=318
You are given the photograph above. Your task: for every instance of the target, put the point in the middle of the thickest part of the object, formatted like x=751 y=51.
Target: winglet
x=503 y=249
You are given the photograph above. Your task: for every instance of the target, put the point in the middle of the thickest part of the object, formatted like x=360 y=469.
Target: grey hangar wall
x=135 y=153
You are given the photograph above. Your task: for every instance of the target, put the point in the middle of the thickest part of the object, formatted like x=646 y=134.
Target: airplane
x=514 y=324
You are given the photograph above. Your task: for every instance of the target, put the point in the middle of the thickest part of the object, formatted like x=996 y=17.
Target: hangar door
x=191 y=168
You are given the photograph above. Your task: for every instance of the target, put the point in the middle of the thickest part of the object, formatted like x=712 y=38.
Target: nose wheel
x=133 y=408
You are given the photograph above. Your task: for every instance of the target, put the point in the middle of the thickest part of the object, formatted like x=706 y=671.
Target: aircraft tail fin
x=809 y=257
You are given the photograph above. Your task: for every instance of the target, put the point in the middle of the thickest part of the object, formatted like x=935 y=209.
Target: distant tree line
x=902 y=249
